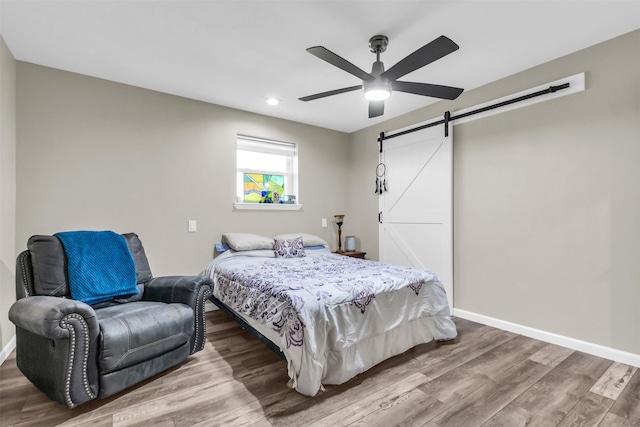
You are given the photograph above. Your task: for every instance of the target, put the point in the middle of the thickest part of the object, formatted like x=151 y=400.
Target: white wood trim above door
x=576 y=84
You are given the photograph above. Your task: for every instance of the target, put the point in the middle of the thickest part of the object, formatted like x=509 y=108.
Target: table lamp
x=339 y=222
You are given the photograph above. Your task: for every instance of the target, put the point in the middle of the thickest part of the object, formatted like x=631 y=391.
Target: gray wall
x=94 y=154
x=7 y=189
x=546 y=199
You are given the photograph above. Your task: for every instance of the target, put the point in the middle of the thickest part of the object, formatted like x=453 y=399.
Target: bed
x=331 y=316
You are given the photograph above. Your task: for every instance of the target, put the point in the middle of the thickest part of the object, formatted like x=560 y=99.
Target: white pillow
x=307 y=239
x=247 y=241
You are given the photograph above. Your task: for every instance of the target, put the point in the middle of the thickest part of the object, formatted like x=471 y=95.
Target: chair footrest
x=137 y=331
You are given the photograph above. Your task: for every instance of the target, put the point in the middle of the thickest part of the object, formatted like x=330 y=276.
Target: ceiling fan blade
x=376 y=108
x=329 y=93
x=426 y=89
x=428 y=53
x=338 y=61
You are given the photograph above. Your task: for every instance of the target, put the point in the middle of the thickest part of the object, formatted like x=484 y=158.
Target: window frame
x=275 y=147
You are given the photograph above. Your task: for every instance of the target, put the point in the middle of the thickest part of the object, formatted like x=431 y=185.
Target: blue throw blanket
x=99 y=265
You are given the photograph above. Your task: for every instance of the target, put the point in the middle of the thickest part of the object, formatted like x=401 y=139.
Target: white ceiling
x=237 y=53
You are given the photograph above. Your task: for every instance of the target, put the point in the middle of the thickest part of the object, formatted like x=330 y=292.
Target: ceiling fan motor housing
x=377 y=68
x=378 y=88
x=378 y=84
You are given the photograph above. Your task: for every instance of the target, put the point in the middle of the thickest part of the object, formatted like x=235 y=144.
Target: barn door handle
x=380 y=217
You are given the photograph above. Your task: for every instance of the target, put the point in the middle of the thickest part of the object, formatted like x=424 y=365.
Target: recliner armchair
x=75 y=352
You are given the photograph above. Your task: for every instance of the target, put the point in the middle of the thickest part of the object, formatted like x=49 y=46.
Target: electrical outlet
x=324 y=222
x=192 y=226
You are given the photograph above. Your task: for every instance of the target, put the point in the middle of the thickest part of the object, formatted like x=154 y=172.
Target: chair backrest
x=42 y=268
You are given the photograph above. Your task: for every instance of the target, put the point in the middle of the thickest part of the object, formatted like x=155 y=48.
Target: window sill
x=267 y=206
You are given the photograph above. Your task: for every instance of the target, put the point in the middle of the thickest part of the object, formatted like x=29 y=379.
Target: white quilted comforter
x=332 y=316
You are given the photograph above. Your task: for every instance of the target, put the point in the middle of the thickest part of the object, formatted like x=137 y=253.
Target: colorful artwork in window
x=263 y=188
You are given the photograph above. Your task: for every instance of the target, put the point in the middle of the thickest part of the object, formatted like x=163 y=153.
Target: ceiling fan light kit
x=379 y=84
x=377 y=94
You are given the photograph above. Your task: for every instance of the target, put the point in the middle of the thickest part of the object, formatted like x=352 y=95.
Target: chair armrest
x=184 y=289
x=193 y=291
x=46 y=316
x=56 y=347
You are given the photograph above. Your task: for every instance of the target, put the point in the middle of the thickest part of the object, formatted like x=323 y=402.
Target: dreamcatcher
x=381 y=179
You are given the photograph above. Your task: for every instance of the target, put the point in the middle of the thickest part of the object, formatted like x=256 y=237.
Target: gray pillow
x=247 y=241
x=307 y=239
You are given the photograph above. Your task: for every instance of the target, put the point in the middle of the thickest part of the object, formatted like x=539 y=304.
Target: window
x=267 y=173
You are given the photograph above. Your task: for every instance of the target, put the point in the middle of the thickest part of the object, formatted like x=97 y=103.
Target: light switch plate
x=324 y=222
x=192 y=226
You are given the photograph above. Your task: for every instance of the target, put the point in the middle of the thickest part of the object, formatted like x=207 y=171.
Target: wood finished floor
x=487 y=377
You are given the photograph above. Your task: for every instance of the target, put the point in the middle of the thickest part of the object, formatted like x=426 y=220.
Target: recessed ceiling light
x=272 y=101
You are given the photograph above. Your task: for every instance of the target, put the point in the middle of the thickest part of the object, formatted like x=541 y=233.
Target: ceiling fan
x=379 y=84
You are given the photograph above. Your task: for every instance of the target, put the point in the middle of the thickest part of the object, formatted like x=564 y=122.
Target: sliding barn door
x=416 y=212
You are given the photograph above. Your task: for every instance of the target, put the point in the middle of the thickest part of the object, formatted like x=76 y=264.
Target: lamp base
x=339 y=251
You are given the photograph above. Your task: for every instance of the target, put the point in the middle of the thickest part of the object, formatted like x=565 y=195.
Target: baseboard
x=572 y=343
x=209 y=306
x=6 y=351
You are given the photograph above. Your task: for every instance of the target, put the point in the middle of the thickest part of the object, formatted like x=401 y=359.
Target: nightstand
x=354 y=254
